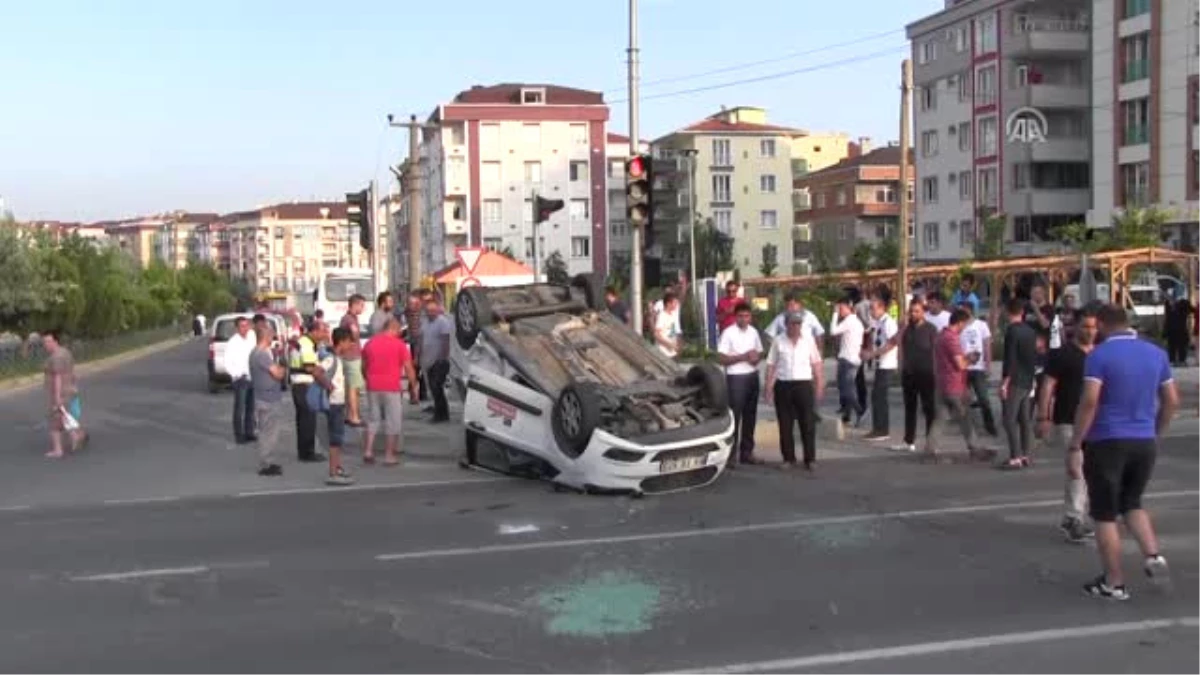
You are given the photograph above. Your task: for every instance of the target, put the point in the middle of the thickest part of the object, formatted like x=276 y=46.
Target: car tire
x=575 y=416
x=592 y=290
x=214 y=387
x=715 y=393
x=472 y=313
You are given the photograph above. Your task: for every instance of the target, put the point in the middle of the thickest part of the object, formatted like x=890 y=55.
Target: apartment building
x=855 y=200
x=741 y=169
x=284 y=247
x=137 y=237
x=1002 y=119
x=486 y=154
x=210 y=243
x=1144 y=90
x=175 y=241
x=816 y=150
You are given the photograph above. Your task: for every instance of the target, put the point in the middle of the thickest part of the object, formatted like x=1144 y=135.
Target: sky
x=114 y=108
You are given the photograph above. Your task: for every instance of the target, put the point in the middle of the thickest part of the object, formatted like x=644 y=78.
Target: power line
x=763 y=62
x=775 y=76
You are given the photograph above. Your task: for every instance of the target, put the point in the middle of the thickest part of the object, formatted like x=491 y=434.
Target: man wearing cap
x=794 y=384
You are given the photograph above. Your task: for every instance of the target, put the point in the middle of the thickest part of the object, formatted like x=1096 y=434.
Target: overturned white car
x=556 y=387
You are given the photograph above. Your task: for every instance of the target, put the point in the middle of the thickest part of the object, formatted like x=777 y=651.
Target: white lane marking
x=20 y=507
x=140 y=500
x=141 y=574
x=518 y=529
x=965 y=644
x=366 y=488
x=741 y=529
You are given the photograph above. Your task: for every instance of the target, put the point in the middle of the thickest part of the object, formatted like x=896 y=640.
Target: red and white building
x=488 y=151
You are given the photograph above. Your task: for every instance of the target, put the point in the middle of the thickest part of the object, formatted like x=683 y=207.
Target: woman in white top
x=795 y=382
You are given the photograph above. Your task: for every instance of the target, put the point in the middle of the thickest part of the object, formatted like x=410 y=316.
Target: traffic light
x=358 y=212
x=543 y=208
x=639 y=192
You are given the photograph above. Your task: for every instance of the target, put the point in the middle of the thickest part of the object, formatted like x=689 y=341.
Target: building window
x=1135 y=8
x=845 y=231
x=966 y=234
x=985 y=85
x=931 y=236
x=985 y=34
x=579 y=209
x=964 y=185
x=533 y=96
x=492 y=214
x=581 y=247
x=1135 y=184
x=533 y=172
x=820 y=200
x=928 y=98
x=579 y=172
x=766 y=183
x=722 y=152
x=841 y=197
x=279 y=233
x=527 y=212
x=961 y=41
x=722 y=187
x=723 y=220
x=493 y=243
x=489 y=175
x=989 y=142
x=929 y=190
x=964 y=137
x=1020 y=176
x=768 y=220
x=985 y=187
x=927 y=52
x=885 y=194
x=964 y=87
x=1135 y=57
x=766 y=147
x=616 y=169
x=1135 y=121
x=579 y=134
x=929 y=143
x=531 y=134
x=489 y=140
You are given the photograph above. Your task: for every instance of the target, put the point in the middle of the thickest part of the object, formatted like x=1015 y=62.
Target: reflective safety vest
x=305 y=354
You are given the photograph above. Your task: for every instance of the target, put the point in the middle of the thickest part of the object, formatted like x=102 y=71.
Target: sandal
x=394 y=461
x=368 y=459
x=1014 y=464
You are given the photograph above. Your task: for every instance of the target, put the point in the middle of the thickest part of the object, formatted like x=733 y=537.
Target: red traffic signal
x=635 y=167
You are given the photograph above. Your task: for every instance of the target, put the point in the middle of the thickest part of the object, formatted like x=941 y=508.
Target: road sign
x=469 y=282
x=469 y=258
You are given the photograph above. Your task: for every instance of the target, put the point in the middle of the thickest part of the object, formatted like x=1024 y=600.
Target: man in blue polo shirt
x=1128 y=400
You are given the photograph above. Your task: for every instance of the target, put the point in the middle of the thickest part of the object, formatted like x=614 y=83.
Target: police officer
x=303 y=370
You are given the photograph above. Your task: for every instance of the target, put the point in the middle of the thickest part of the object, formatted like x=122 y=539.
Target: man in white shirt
x=666 y=327
x=846 y=327
x=740 y=349
x=794 y=305
x=977 y=347
x=935 y=311
x=659 y=305
x=884 y=353
x=795 y=382
x=237 y=365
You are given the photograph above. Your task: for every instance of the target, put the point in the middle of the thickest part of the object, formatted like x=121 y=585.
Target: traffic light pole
x=636 y=277
x=537 y=264
x=906 y=84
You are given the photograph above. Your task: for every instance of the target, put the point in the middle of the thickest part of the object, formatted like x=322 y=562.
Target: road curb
x=16 y=384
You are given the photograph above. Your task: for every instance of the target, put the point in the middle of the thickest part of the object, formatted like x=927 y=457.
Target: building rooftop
x=509 y=93
x=885 y=156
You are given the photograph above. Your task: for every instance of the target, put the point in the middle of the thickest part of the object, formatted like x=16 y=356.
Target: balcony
x=1047 y=35
x=801 y=200
x=456 y=227
x=1135 y=70
x=1050 y=95
x=1041 y=201
x=1136 y=135
x=801 y=248
x=1060 y=150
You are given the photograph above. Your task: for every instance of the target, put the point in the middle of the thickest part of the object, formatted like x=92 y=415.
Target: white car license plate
x=682 y=463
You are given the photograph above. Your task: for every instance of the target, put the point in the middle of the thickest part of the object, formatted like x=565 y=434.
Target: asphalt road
x=877 y=564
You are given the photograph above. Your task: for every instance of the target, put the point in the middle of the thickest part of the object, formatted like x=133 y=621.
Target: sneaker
x=271 y=470
x=340 y=478
x=876 y=437
x=1155 y=567
x=1099 y=588
x=904 y=447
x=1075 y=531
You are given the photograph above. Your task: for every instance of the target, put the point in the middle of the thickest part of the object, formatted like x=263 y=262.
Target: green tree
x=861 y=257
x=714 y=250
x=770 y=260
x=1137 y=228
x=21 y=293
x=555 y=269
x=887 y=253
x=990 y=243
x=822 y=258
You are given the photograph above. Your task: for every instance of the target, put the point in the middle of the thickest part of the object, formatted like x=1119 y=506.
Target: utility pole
x=690 y=155
x=636 y=274
x=906 y=86
x=413 y=188
x=375 y=237
x=537 y=265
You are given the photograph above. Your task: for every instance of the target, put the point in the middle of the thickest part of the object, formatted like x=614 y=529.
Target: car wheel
x=592 y=289
x=714 y=392
x=214 y=387
x=468 y=459
x=575 y=416
x=472 y=313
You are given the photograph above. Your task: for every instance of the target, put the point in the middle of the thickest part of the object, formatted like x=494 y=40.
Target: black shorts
x=1117 y=471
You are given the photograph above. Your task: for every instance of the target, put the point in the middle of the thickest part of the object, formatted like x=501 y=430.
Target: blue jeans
x=847 y=389
x=243 y=410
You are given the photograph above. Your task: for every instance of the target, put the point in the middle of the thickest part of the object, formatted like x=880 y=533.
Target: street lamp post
x=635 y=268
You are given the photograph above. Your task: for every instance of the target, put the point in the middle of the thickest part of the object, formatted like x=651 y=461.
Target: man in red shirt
x=386 y=359
x=727 y=307
x=950 y=364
